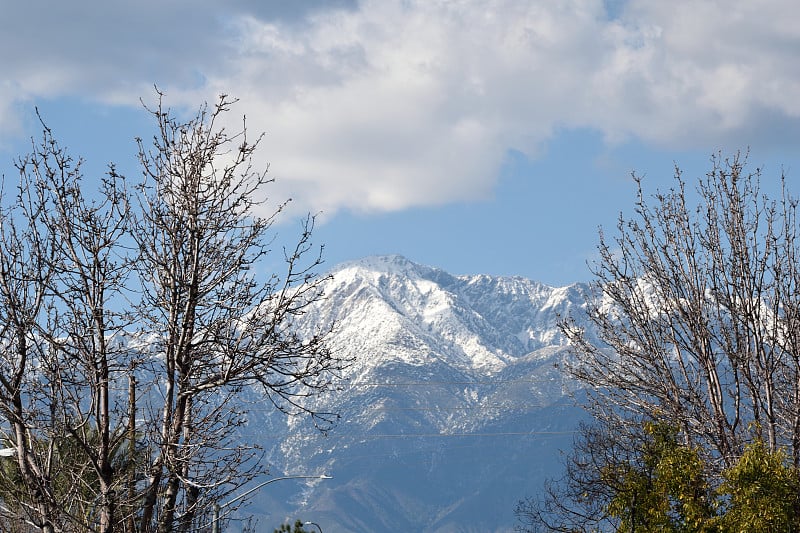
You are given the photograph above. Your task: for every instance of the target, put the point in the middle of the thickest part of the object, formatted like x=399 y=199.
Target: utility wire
x=368 y=436
x=438 y=382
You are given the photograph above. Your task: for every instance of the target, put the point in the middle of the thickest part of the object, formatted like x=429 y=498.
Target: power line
x=460 y=408
x=368 y=436
x=437 y=382
x=498 y=407
x=439 y=435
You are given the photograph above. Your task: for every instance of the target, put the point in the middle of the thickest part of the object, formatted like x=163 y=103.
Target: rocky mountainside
x=453 y=409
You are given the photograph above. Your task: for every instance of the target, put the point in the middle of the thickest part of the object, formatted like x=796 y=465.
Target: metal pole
x=215 y=519
x=134 y=460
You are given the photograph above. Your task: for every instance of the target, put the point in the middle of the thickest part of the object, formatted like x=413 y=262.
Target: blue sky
x=480 y=136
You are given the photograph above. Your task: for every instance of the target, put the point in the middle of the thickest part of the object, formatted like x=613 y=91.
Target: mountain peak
x=446 y=371
x=423 y=313
x=390 y=263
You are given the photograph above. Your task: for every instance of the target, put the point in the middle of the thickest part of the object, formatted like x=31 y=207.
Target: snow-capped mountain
x=452 y=410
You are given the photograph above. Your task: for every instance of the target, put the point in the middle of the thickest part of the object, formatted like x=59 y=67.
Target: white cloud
x=396 y=103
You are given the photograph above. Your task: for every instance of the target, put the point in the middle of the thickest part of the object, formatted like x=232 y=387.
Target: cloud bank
x=385 y=105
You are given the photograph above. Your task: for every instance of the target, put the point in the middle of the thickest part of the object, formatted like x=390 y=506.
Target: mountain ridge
x=452 y=410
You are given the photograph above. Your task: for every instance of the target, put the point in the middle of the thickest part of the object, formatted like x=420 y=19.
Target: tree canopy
x=693 y=326
x=133 y=318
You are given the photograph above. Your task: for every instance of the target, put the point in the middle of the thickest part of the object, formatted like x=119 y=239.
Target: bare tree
x=695 y=311
x=134 y=322
x=223 y=328
x=84 y=327
x=26 y=260
x=693 y=318
x=578 y=501
x=59 y=273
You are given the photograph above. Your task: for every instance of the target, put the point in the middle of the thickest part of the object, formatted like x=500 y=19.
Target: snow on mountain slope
x=395 y=307
x=452 y=410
